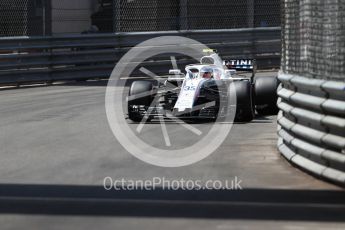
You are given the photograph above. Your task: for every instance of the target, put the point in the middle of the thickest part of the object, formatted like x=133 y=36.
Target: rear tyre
x=244 y=107
x=266 y=97
x=141 y=96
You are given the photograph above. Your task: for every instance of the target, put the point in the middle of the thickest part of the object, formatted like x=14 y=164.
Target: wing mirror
x=175 y=72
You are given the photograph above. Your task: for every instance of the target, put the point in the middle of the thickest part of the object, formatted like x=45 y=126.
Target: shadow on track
x=256 y=204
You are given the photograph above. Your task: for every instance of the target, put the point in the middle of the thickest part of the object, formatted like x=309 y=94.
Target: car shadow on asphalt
x=258 y=119
x=253 y=204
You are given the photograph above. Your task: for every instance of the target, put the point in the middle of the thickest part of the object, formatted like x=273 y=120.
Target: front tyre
x=140 y=97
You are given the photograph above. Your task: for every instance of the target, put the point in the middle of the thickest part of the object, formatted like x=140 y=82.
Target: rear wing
x=241 y=64
x=248 y=65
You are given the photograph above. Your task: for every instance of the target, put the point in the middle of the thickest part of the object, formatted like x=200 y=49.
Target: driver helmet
x=206 y=73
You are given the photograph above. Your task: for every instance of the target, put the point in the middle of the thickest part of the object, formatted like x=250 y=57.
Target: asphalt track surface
x=57 y=147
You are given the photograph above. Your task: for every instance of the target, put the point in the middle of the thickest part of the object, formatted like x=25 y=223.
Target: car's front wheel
x=140 y=97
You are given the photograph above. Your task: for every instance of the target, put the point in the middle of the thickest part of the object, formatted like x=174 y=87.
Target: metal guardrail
x=311 y=125
x=60 y=58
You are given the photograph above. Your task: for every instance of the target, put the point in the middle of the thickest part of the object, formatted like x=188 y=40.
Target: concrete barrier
x=311 y=125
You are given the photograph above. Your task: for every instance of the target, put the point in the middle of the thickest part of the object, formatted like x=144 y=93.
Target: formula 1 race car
x=203 y=92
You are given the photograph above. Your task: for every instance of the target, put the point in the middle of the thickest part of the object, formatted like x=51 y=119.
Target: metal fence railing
x=13 y=18
x=162 y=15
x=72 y=57
x=51 y=17
x=25 y=17
x=314 y=38
x=311 y=123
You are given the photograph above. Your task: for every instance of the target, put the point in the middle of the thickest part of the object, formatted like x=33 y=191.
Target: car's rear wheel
x=244 y=107
x=266 y=97
x=141 y=95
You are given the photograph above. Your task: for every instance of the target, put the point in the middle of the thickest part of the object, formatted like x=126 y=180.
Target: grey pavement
x=57 y=147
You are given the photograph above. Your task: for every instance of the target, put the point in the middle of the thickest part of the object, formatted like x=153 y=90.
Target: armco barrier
x=47 y=59
x=311 y=125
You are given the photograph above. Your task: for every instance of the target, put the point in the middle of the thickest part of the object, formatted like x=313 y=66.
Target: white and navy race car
x=204 y=92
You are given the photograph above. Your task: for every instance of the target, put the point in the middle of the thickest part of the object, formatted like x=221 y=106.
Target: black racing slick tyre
x=266 y=97
x=244 y=104
x=140 y=95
